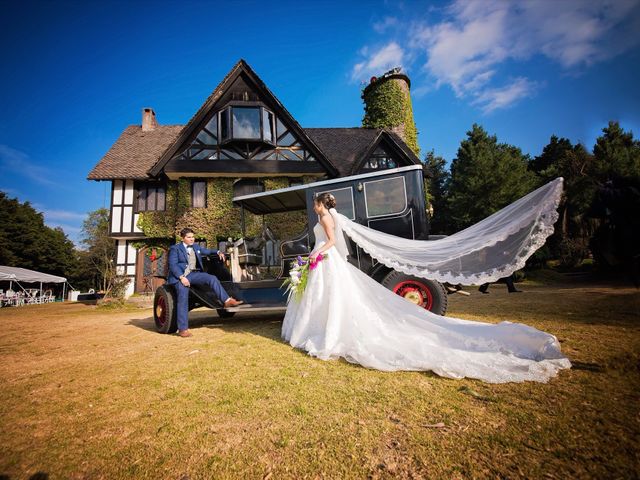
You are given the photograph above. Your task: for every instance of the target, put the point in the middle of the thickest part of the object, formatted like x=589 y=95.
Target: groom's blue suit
x=178 y=263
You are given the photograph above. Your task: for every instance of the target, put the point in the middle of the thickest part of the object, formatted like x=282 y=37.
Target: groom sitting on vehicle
x=186 y=269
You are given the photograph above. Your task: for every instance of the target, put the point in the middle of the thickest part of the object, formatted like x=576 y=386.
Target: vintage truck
x=392 y=201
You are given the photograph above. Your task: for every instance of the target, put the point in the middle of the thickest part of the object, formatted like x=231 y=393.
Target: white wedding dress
x=343 y=313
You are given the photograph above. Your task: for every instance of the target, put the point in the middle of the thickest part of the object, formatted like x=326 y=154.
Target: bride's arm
x=329 y=228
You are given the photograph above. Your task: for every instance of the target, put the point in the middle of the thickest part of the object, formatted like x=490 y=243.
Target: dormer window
x=246 y=123
x=380 y=160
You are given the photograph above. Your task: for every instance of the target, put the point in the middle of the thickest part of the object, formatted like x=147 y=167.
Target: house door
x=152 y=264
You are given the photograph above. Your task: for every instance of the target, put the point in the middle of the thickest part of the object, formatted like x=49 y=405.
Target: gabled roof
x=135 y=152
x=341 y=151
x=196 y=121
x=348 y=148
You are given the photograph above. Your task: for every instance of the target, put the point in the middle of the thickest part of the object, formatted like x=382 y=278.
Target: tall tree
x=617 y=201
x=485 y=177
x=100 y=248
x=617 y=154
x=438 y=187
x=559 y=158
x=25 y=241
x=548 y=165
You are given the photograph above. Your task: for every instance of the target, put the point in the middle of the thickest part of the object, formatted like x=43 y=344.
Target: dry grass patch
x=99 y=394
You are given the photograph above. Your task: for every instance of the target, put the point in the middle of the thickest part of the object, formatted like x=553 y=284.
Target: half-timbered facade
x=164 y=177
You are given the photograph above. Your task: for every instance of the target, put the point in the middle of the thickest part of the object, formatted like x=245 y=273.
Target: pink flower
x=314 y=264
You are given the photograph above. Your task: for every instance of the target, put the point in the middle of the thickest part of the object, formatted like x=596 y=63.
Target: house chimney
x=149 y=121
x=387 y=104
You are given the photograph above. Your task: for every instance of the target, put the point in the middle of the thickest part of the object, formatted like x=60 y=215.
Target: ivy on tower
x=387 y=104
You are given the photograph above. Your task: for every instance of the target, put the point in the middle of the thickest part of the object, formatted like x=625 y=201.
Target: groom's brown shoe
x=185 y=333
x=232 y=302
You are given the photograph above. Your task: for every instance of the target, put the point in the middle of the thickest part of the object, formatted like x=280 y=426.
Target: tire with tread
x=429 y=294
x=164 y=311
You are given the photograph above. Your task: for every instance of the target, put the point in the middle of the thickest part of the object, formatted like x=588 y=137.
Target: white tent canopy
x=30 y=276
x=7 y=276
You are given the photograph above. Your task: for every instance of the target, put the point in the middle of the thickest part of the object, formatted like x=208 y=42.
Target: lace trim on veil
x=535 y=220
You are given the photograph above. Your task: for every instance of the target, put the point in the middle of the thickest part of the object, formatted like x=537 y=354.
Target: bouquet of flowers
x=299 y=274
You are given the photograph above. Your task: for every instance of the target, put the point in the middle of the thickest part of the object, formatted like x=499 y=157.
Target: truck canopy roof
x=295 y=198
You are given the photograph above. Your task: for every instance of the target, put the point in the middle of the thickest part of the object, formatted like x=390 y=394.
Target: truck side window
x=344 y=201
x=385 y=197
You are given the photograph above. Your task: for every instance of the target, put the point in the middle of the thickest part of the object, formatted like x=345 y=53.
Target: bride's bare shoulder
x=327 y=221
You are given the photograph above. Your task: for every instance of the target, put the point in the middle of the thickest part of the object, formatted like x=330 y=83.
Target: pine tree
x=548 y=164
x=485 y=177
x=617 y=201
x=617 y=154
x=560 y=158
x=438 y=186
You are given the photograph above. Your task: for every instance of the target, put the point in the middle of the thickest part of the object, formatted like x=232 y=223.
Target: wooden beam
x=241 y=168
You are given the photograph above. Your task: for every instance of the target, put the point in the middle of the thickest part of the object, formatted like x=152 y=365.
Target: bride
x=343 y=313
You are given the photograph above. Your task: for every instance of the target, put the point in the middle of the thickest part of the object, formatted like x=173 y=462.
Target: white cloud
x=378 y=61
x=70 y=230
x=502 y=97
x=52 y=215
x=462 y=56
x=419 y=91
x=69 y=222
x=20 y=163
x=474 y=40
x=578 y=33
x=385 y=24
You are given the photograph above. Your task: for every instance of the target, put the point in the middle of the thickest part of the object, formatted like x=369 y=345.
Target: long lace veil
x=493 y=248
x=341 y=244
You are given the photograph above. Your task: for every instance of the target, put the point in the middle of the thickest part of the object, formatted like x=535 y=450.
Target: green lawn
x=98 y=394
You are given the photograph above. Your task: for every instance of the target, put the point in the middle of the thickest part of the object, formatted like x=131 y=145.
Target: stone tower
x=387 y=104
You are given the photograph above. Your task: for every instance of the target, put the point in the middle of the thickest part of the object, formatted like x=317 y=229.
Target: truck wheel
x=222 y=313
x=428 y=294
x=164 y=311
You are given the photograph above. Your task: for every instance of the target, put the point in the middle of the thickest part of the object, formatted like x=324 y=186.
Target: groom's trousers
x=182 y=293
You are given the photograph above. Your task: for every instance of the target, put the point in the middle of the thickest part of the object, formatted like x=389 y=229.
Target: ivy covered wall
x=387 y=104
x=220 y=220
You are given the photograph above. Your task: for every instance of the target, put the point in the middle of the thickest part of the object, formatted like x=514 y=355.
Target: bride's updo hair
x=326 y=199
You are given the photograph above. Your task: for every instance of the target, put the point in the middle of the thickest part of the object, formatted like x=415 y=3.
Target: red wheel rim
x=161 y=312
x=415 y=292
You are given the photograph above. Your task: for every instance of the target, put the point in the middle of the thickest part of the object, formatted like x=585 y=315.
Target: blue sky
x=75 y=74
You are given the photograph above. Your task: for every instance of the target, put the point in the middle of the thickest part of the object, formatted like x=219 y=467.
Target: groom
x=185 y=269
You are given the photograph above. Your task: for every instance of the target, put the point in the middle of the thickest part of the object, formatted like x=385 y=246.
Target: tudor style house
x=241 y=140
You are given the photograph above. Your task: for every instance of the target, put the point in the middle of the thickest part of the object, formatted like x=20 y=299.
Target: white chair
x=9 y=298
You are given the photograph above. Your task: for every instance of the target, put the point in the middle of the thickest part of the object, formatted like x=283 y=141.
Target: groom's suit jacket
x=179 y=260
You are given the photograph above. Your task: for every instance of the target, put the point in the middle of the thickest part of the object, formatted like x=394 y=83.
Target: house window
x=380 y=160
x=267 y=126
x=247 y=186
x=225 y=129
x=150 y=197
x=199 y=194
x=247 y=123
x=209 y=134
